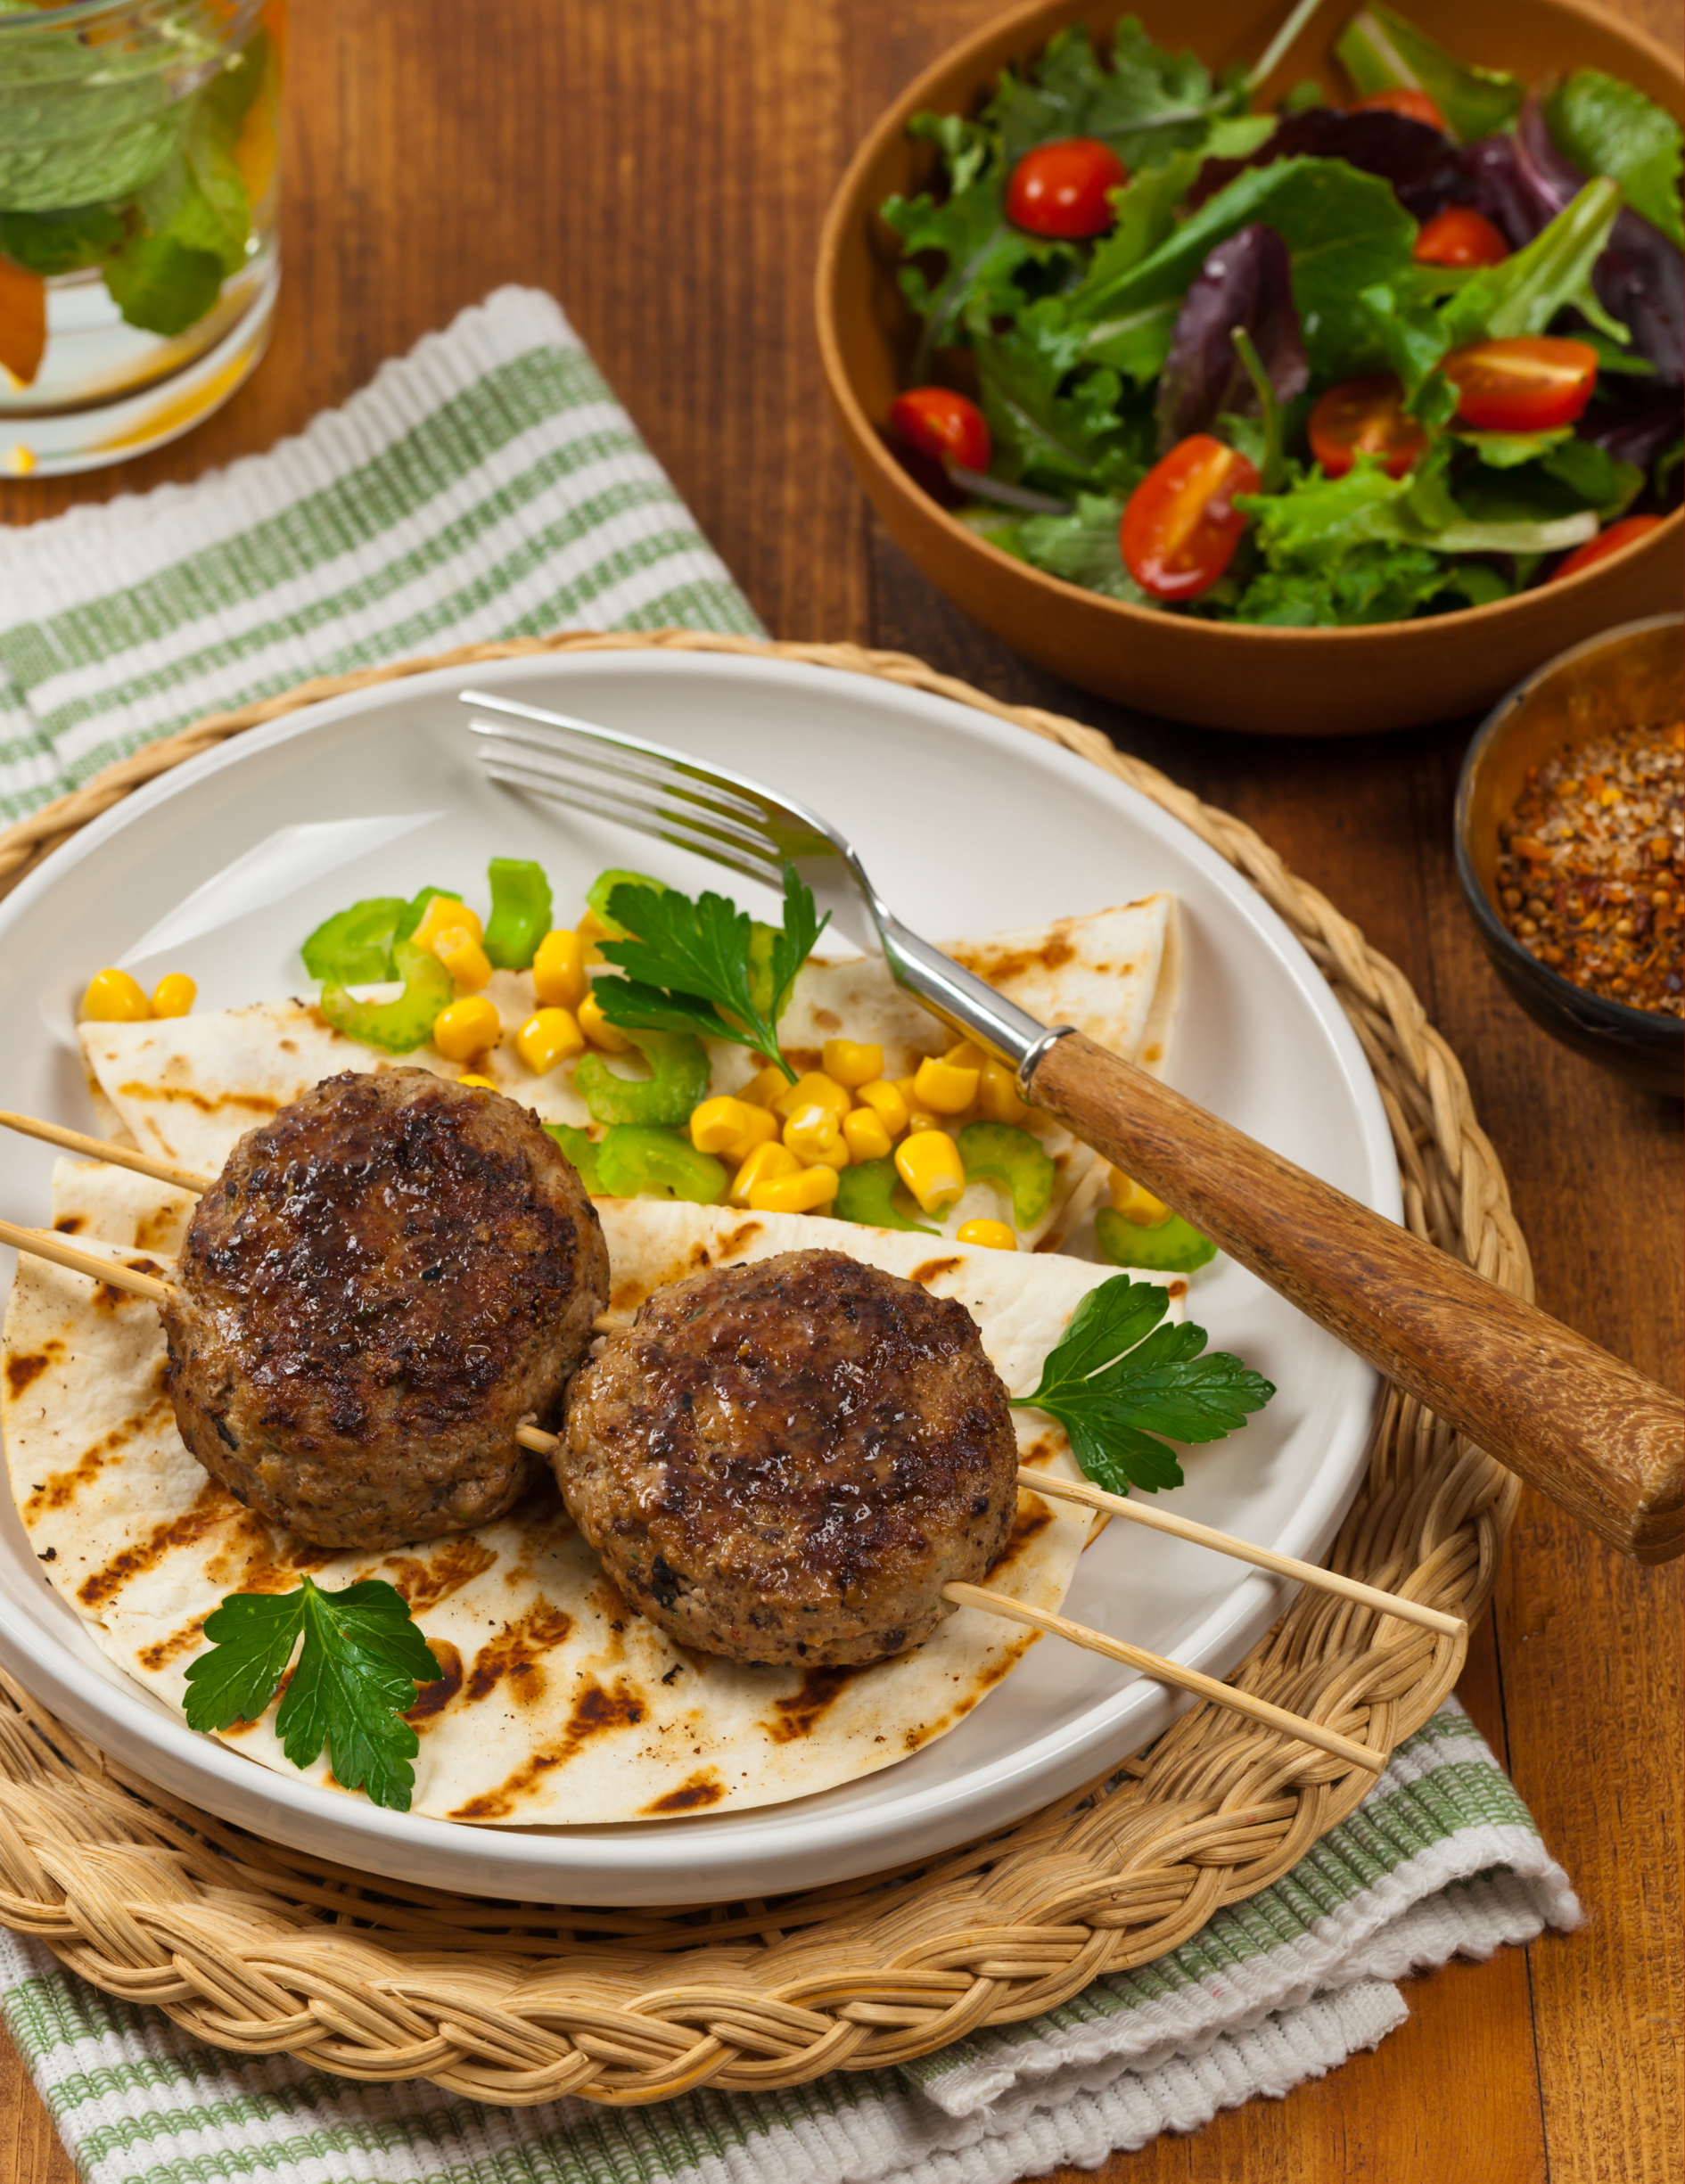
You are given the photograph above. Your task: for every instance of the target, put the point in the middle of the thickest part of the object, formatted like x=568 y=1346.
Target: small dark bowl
x=1625 y=676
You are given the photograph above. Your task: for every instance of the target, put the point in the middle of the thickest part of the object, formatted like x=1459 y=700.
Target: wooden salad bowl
x=1263 y=681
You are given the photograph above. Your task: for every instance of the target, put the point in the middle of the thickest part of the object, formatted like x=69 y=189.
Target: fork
x=1586 y=1429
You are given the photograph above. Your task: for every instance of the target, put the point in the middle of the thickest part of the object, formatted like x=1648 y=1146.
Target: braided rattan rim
x=262 y=1950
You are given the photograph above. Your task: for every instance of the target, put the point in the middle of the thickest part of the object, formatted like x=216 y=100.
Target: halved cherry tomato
x=1181 y=526
x=1459 y=236
x=1607 y=542
x=1365 y=417
x=1533 y=384
x=1414 y=105
x=1060 y=189
x=944 y=425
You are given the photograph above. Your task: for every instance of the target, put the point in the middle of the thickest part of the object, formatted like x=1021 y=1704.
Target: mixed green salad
x=1325 y=365
x=139 y=152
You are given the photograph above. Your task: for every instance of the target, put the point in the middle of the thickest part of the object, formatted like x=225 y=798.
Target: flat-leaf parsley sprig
x=705 y=966
x=1118 y=1380
x=355 y=1677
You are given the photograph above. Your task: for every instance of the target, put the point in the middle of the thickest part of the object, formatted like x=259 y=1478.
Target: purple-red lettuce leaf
x=1247 y=282
x=1421 y=165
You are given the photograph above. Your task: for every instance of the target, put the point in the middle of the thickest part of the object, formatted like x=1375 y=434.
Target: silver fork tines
x=749 y=828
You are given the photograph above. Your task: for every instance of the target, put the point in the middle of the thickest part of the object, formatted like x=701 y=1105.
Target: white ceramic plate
x=222 y=866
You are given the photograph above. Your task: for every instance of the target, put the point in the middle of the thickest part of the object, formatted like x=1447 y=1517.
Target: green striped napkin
x=1441 y=1859
x=487 y=485
x=491 y=486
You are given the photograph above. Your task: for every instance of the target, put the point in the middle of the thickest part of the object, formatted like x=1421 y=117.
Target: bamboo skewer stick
x=98 y=1149
x=1115 y=1649
x=45 y=1244
x=1170 y=1672
x=1243 y=1551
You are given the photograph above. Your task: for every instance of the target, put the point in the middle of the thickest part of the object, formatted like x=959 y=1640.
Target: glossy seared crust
x=383 y=1283
x=787 y=1461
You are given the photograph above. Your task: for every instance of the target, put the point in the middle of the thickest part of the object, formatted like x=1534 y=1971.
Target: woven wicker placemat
x=262 y=1950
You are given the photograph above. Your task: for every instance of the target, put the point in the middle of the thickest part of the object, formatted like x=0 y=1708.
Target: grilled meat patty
x=787 y=1461
x=383 y=1284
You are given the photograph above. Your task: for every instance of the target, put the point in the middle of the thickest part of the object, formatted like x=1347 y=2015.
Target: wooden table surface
x=663 y=168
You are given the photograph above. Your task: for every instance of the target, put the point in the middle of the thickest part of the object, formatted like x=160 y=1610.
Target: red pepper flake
x=1590 y=871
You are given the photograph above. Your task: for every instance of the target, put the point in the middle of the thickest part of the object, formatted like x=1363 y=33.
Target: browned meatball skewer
x=788 y=1460
x=382 y=1284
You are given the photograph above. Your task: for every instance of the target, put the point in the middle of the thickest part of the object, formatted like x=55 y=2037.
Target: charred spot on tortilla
x=432 y=1698
x=72 y=1225
x=393 y=1275
x=703 y=1789
x=788 y=1460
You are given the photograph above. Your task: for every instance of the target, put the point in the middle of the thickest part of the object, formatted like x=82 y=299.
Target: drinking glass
x=138 y=189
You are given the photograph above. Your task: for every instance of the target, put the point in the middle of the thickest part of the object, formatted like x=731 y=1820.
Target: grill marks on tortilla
x=252 y=1103
x=800 y=1713
x=60 y=1488
x=453 y=1563
x=1000 y=965
x=432 y=1698
x=20 y=1371
x=596 y=1712
x=511 y=1658
x=701 y=1790
x=211 y=1506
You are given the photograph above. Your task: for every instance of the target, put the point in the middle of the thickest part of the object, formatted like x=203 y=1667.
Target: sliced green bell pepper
x=400 y=1026
x=520 y=910
x=581 y=1149
x=1174 y=1247
x=354 y=947
x=677 y=1079
x=635 y=1163
x=1011 y=1156
x=864 y=1193
x=597 y=898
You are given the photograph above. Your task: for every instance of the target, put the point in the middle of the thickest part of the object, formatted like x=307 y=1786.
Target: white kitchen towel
x=489 y=485
x=1441 y=1859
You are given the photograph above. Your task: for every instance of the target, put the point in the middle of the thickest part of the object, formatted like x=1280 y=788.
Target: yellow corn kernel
x=965 y=1056
x=763 y=1165
x=850 y=1064
x=928 y=1163
x=444 y=915
x=939 y=1088
x=558 y=969
x=994 y=1236
x=887 y=1102
x=481 y=1084
x=1136 y=1203
x=598 y=1030
x=548 y=1037
x=805 y=1193
x=997 y=1098
x=730 y=1127
x=763 y=1088
x=175 y=995
x=809 y=1089
x=865 y=1134
x=113 y=997
x=918 y=1116
x=466 y=1028
x=463 y=956
x=812 y=1135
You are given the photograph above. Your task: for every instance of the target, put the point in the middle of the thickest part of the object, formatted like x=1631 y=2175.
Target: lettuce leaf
x=1607 y=127
x=1523 y=293
x=1047 y=433
x=1149 y=104
x=1083 y=548
x=1381 y=51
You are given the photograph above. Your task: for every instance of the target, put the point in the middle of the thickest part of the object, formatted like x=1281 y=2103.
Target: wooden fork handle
x=1585 y=1429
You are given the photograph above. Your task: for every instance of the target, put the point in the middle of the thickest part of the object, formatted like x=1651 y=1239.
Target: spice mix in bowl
x=1569 y=833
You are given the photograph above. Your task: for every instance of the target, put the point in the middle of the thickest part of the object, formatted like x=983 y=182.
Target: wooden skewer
x=97 y=1149
x=1114 y=1649
x=1243 y=1551
x=45 y=1244
x=1170 y=1672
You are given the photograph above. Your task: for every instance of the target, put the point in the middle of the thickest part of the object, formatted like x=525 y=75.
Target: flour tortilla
x=561 y=1705
x=188 y=1087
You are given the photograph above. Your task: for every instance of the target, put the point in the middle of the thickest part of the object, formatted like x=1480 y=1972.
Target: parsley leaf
x=1118 y=1380
x=356 y=1676
x=703 y=966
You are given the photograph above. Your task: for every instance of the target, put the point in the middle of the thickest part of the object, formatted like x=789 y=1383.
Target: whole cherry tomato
x=1181 y=526
x=1365 y=417
x=1060 y=189
x=1459 y=236
x=1533 y=384
x=1414 y=105
x=1607 y=542
x=944 y=425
